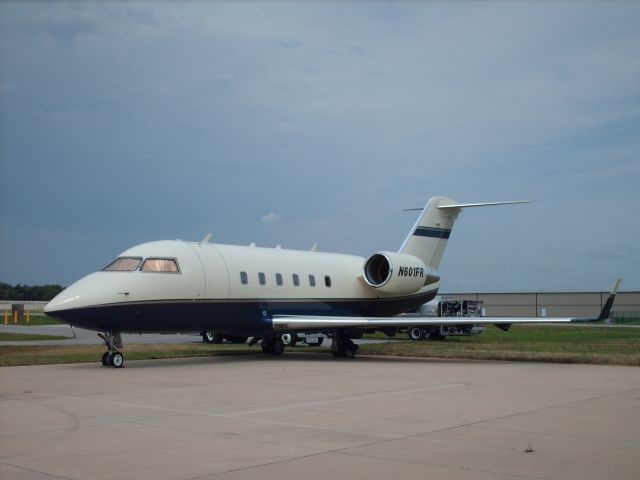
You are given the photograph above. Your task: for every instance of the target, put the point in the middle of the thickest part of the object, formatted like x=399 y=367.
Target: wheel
x=416 y=333
x=290 y=339
x=207 y=337
x=116 y=359
x=217 y=337
x=106 y=359
x=267 y=348
x=344 y=348
x=277 y=347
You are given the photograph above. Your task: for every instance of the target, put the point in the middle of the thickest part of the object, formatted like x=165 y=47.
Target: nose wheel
x=112 y=357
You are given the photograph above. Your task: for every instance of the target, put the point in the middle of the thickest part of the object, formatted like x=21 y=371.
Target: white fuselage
x=225 y=287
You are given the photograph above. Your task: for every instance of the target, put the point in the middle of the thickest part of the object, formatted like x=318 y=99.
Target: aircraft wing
x=310 y=322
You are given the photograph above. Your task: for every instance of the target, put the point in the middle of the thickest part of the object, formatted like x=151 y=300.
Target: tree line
x=29 y=293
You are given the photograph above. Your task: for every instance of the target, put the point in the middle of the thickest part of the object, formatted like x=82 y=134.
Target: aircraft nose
x=76 y=295
x=66 y=300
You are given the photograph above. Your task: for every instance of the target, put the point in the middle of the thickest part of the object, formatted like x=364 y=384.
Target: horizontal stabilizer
x=485 y=204
x=468 y=205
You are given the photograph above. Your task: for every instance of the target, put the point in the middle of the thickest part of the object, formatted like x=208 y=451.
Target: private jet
x=263 y=293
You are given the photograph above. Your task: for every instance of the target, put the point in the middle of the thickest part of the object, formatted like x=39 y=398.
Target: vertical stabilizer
x=428 y=237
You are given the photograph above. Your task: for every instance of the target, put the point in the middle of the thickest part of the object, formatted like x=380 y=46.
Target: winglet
x=606 y=310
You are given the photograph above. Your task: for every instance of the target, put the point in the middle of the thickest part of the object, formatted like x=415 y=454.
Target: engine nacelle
x=393 y=272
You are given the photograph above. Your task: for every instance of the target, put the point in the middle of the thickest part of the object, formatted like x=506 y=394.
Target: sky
x=300 y=122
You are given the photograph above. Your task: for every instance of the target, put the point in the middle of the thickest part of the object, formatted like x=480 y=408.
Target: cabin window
x=279 y=279
x=262 y=279
x=312 y=281
x=296 y=280
x=327 y=281
x=123 y=264
x=162 y=265
x=243 y=278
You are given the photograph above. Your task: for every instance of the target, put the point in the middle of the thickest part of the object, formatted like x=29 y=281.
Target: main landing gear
x=343 y=346
x=112 y=357
x=273 y=345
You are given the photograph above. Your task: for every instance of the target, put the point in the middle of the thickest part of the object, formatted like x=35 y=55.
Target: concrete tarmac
x=311 y=416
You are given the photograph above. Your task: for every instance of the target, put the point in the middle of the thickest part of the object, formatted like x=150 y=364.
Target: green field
x=22 y=337
x=540 y=343
x=592 y=345
x=35 y=320
x=12 y=355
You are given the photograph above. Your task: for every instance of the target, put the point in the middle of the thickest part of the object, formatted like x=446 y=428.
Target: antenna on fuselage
x=206 y=239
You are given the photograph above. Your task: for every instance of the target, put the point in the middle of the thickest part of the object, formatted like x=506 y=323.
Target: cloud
x=340 y=114
x=612 y=252
x=285 y=43
x=223 y=78
x=271 y=217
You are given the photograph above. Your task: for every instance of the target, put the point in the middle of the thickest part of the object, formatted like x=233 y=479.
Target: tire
x=277 y=347
x=116 y=359
x=218 y=337
x=416 y=333
x=106 y=359
x=290 y=339
x=207 y=336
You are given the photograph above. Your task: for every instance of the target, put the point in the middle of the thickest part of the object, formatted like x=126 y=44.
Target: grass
x=35 y=320
x=12 y=355
x=6 y=337
x=539 y=343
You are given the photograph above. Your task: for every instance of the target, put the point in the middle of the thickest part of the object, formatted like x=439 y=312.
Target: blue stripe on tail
x=432 y=232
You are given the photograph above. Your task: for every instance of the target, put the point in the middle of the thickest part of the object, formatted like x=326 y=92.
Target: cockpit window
x=123 y=264
x=164 y=265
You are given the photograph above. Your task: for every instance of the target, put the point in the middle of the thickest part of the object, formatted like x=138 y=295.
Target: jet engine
x=393 y=272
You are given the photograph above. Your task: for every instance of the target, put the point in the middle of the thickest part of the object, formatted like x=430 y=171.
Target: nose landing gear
x=112 y=357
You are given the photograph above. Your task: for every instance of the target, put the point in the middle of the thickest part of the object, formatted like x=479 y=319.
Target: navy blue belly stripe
x=432 y=232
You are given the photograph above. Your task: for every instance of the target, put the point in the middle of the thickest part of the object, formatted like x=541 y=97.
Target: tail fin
x=428 y=237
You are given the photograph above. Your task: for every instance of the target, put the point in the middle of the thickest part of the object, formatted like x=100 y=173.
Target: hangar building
x=553 y=304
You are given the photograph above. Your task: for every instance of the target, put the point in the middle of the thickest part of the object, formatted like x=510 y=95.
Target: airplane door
x=215 y=272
